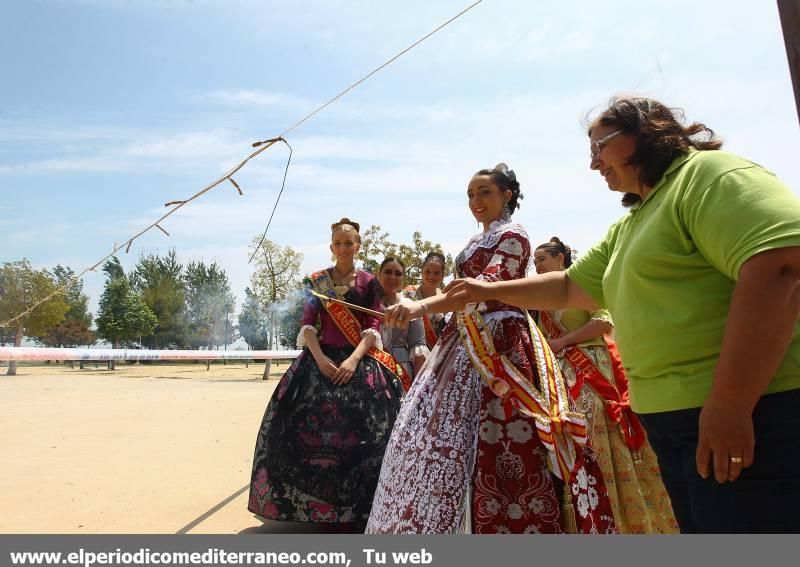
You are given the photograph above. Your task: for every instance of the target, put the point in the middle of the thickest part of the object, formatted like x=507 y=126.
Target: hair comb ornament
x=503 y=168
x=347 y=221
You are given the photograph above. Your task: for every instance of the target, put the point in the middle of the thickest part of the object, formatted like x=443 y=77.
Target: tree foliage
x=113 y=268
x=277 y=272
x=210 y=304
x=159 y=281
x=376 y=245
x=74 y=329
x=22 y=287
x=123 y=316
x=73 y=294
x=276 y=277
x=68 y=333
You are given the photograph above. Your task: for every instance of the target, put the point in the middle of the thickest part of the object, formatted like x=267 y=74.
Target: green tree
x=68 y=333
x=113 y=268
x=376 y=245
x=412 y=255
x=277 y=274
x=123 y=316
x=159 y=281
x=253 y=322
x=21 y=287
x=74 y=329
x=210 y=304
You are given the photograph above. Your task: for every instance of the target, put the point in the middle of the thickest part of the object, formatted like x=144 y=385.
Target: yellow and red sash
x=430 y=335
x=618 y=407
x=351 y=328
x=559 y=428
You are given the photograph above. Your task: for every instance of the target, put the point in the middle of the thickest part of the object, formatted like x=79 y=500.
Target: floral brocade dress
x=320 y=446
x=638 y=497
x=456 y=461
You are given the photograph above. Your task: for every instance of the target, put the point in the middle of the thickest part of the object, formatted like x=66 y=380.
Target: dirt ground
x=142 y=449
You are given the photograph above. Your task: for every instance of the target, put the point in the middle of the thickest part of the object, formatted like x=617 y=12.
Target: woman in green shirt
x=600 y=389
x=702 y=278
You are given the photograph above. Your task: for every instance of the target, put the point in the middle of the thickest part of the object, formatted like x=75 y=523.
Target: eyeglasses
x=597 y=146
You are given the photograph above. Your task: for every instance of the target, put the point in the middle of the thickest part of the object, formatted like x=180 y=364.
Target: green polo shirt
x=666 y=272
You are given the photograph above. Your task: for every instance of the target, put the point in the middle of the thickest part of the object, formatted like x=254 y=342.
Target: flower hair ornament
x=503 y=168
x=511 y=176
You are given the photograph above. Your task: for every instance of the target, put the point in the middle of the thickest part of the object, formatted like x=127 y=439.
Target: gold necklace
x=342 y=288
x=343 y=275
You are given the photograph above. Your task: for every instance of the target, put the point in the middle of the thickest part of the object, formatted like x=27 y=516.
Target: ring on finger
x=736 y=460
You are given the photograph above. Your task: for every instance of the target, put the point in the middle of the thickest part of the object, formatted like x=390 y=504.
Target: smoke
x=294 y=301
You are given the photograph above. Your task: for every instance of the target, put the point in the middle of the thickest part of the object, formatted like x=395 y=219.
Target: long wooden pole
x=790 y=22
x=350 y=305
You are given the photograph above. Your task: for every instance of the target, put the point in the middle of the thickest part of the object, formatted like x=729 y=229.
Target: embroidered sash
x=618 y=407
x=559 y=428
x=430 y=335
x=351 y=328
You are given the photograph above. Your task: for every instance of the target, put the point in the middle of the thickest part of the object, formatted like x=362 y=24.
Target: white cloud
x=148 y=152
x=256 y=98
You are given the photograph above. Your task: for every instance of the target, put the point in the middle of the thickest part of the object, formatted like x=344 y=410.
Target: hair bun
x=559 y=244
x=504 y=169
x=345 y=220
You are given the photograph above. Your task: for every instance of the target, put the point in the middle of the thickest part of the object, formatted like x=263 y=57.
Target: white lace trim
x=301 y=337
x=376 y=334
x=430 y=459
x=490 y=238
x=603 y=318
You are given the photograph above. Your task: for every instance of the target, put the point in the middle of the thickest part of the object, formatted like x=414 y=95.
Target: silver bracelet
x=424 y=307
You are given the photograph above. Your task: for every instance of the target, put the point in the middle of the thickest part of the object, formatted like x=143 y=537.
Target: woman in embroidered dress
x=600 y=389
x=407 y=346
x=322 y=439
x=461 y=458
x=433 y=272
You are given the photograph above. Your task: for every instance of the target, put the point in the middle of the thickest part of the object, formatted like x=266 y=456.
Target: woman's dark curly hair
x=394 y=259
x=436 y=257
x=660 y=136
x=556 y=247
x=506 y=180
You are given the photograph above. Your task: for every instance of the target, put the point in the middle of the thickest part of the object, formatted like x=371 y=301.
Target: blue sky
x=109 y=109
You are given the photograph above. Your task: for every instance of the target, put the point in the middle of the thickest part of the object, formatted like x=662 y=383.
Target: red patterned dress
x=456 y=460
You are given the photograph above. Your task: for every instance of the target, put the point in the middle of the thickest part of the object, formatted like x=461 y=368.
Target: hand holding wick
x=467 y=290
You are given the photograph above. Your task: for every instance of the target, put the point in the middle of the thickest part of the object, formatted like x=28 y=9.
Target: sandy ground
x=142 y=449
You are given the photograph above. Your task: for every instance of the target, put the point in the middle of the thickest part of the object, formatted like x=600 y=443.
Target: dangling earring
x=505 y=214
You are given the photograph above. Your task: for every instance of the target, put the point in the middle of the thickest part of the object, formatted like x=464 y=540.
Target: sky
x=111 y=108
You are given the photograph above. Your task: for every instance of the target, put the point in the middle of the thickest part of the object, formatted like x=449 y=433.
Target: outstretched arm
x=550 y=291
x=508 y=262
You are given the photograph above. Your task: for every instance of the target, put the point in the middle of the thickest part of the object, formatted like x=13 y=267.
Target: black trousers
x=765 y=498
